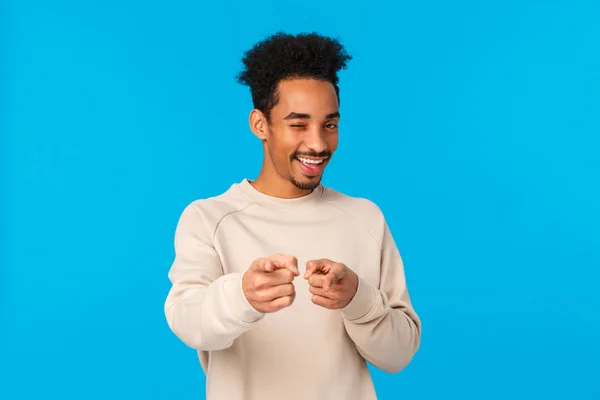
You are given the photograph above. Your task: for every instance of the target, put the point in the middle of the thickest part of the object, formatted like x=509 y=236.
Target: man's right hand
x=267 y=284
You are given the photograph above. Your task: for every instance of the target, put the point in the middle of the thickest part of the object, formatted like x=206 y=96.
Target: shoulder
x=364 y=210
x=207 y=213
x=359 y=206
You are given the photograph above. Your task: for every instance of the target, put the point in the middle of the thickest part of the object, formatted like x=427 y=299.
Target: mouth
x=312 y=166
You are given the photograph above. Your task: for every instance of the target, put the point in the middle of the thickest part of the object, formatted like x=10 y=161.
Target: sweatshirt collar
x=261 y=197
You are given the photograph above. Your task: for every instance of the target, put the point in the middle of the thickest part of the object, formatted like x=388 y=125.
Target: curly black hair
x=284 y=56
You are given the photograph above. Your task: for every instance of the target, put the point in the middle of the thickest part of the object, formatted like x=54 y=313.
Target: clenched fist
x=267 y=284
x=332 y=284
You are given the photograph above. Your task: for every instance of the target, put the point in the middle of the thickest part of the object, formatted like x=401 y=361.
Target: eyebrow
x=295 y=115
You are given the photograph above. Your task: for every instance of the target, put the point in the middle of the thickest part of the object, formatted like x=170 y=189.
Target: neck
x=272 y=184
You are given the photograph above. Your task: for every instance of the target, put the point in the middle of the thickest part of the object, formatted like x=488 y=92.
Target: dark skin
x=304 y=122
x=332 y=284
x=267 y=284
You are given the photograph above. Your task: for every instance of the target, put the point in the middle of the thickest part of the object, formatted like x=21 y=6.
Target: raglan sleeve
x=381 y=320
x=205 y=308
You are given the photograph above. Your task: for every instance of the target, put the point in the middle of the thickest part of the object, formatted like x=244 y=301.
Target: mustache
x=297 y=154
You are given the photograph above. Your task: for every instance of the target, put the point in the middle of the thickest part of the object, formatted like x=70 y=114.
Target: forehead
x=309 y=96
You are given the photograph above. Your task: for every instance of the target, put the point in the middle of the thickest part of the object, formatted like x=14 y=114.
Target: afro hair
x=284 y=56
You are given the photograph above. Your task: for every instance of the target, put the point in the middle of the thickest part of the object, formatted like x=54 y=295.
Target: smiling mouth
x=309 y=161
x=312 y=166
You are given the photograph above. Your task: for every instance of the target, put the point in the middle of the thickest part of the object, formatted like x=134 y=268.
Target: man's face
x=303 y=131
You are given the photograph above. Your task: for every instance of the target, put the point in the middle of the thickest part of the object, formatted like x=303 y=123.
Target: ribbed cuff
x=362 y=303
x=240 y=306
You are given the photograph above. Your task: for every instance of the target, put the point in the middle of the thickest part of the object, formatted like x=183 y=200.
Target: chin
x=306 y=183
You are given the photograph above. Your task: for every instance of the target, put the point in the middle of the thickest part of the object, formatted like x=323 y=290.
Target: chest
x=242 y=239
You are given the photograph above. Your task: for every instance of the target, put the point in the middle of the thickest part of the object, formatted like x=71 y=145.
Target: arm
x=205 y=308
x=381 y=321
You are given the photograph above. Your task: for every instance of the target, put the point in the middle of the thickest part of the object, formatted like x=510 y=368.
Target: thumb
x=330 y=279
x=335 y=274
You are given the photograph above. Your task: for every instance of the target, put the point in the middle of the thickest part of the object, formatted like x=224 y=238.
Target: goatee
x=306 y=185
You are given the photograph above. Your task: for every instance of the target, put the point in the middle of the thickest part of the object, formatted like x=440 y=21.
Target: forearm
x=209 y=317
x=387 y=334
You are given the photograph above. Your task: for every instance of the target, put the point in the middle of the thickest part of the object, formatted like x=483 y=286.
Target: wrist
x=240 y=305
x=363 y=301
x=355 y=280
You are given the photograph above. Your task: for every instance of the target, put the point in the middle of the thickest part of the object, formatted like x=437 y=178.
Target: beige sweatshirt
x=305 y=351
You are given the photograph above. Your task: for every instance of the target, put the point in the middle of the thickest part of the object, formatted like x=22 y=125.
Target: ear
x=258 y=124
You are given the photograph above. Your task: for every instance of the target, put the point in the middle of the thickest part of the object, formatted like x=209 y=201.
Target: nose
x=315 y=140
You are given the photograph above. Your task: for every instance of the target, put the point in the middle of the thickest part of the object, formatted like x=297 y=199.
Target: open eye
x=331 y=126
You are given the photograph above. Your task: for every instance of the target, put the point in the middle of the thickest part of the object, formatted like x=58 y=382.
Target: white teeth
x=307 y=161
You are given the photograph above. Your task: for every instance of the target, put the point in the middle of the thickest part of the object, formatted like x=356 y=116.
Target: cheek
x=281 y=150
x=332 y=142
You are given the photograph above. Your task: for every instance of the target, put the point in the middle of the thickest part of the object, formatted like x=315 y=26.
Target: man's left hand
x=332 y=284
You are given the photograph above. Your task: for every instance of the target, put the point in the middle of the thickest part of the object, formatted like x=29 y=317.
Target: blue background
x=474 y=125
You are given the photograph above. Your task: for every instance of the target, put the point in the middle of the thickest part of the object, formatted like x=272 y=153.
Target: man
x=287 y=288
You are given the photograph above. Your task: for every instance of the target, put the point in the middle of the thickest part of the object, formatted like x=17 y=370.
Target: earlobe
x=257 y=124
